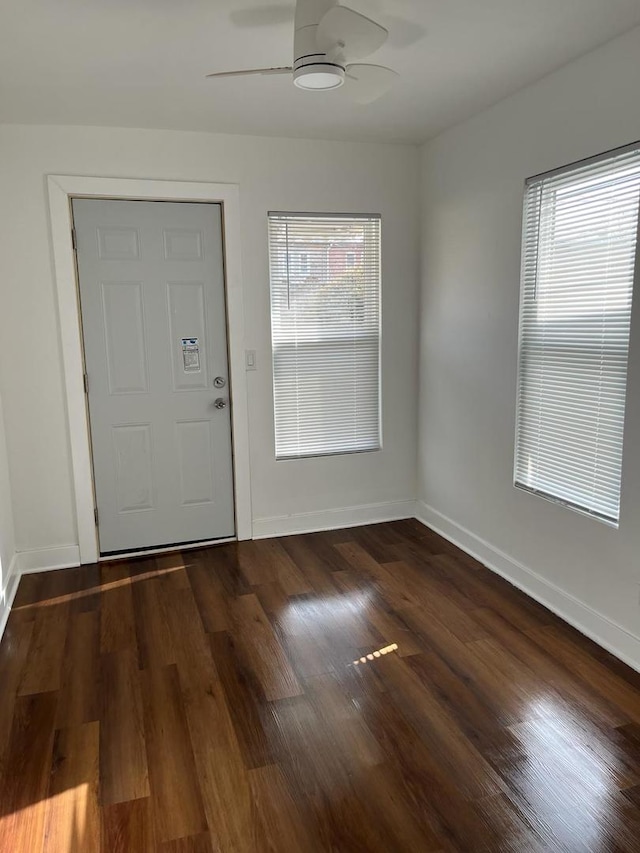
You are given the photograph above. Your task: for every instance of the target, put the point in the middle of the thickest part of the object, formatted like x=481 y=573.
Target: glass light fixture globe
x=319 y=76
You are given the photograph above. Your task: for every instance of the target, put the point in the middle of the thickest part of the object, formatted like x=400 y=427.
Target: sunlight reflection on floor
x=562 y=777
x=62 y=819
x=100 y=588
x=378 y=653
x=340 y=612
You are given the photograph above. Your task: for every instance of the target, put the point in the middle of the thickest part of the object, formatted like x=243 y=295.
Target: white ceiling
x=141 y=63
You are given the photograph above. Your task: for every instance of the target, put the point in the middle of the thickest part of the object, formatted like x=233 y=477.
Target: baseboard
x=46 y=559
x=332 y=519
x=27 y=562
x=8 y=594
x=599 y=628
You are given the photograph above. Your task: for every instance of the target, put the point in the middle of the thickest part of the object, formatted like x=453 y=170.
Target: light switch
x=250 y=359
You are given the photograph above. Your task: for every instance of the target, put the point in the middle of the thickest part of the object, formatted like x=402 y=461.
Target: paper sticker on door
x=191 y=355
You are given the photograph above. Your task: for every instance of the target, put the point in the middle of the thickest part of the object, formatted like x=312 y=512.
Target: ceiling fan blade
x=366 y=83
x=354 y=35
x=249 y=71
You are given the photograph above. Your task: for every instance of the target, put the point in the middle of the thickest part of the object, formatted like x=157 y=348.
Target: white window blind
x=325 y=326
x=579 y=253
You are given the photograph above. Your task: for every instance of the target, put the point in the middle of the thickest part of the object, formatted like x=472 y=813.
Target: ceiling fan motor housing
x=311 y=68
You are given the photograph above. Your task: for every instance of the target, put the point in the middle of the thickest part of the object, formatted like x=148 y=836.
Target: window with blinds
x=579 y=255
x=325 y=328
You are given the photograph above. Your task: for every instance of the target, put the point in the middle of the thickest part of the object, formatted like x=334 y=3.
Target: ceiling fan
x=327 y=40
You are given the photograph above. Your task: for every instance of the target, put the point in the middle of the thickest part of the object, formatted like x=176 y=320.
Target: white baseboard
x=599 y=628
x=47 y=559
x=7 y=594
x=332 y=519
x=28 y=562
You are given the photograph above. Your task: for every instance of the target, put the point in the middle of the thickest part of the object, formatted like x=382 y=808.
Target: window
x=325 y=330
x=579 y=252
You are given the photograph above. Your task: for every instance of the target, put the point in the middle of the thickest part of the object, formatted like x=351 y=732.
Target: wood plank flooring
x=371 y=689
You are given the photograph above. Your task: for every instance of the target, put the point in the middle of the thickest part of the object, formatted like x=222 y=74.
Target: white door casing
x=62 y=189
x=151 y=281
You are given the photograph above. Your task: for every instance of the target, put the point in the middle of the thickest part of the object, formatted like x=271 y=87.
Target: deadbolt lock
x=219 y=382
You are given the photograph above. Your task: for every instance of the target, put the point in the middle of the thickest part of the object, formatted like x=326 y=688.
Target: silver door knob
x=220 y=403
x=219 y=382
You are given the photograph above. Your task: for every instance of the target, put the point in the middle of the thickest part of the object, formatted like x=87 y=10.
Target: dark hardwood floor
x=371 y=689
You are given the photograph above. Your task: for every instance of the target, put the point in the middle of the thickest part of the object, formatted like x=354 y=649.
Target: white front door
x=154 y=325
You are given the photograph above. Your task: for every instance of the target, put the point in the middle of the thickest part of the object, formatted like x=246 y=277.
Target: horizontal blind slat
x=580 y=230
x=325 y=329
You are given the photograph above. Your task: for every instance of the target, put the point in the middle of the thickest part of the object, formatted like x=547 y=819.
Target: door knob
x=220 y=403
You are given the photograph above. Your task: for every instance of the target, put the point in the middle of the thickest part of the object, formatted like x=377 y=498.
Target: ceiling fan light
x=319 y=76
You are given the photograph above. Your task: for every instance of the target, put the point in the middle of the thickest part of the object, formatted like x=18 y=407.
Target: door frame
x=62 y=189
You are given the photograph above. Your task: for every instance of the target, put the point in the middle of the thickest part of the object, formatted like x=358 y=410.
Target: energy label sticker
x=191 y=355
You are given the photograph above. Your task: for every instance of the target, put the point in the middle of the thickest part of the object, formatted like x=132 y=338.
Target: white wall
x=273 y=174
x=473 y=178
x=7 y=545
x=471 y=199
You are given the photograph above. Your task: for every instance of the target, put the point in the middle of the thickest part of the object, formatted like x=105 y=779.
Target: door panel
x=197 y=464
x=133 y=457
x=180 y=244
x=118 y=244
x=124 y=337
x=154 y=326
